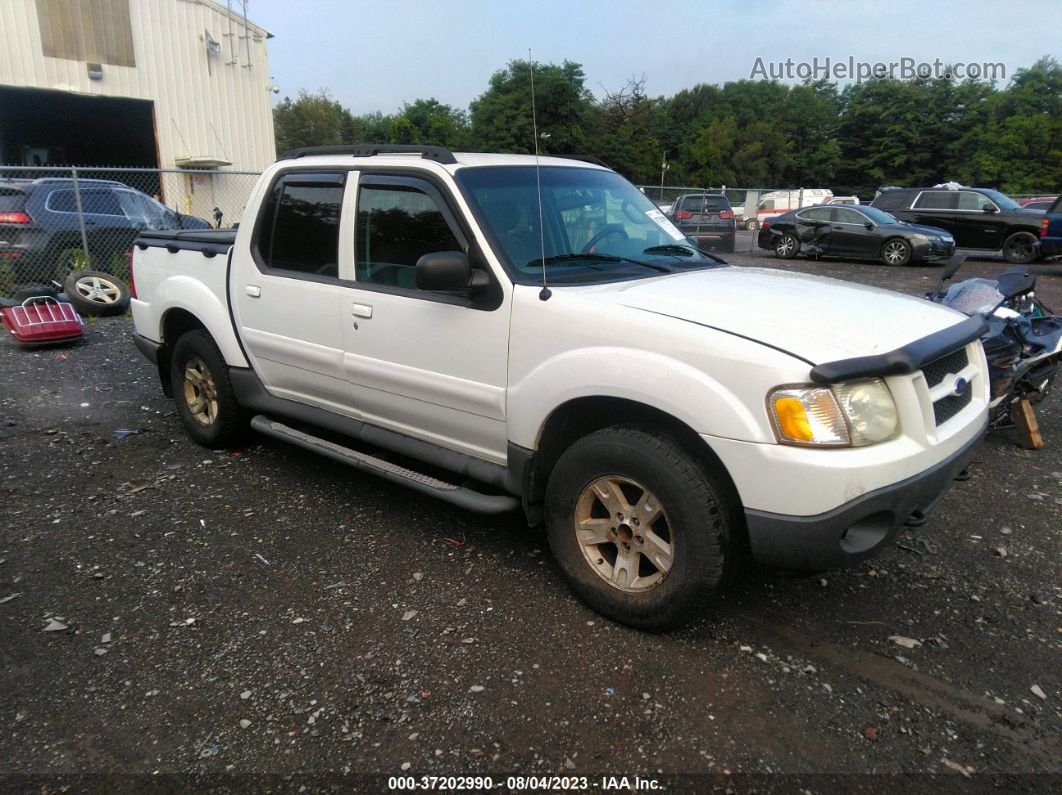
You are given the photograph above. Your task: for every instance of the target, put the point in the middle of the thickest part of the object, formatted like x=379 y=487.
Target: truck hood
x=813 y=318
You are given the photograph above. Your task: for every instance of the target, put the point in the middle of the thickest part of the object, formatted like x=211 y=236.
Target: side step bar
x=418 y=481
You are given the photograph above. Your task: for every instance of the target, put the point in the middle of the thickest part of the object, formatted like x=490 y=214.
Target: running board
x=418 y=481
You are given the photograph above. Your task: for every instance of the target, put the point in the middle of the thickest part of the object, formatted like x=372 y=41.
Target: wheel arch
x=174 y=324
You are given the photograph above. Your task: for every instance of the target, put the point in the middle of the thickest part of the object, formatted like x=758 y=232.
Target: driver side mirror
x=869 y=225
x=989 y=208
x=449 y=272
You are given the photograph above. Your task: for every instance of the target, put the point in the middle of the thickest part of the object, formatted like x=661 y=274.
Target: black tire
x=203 y=393
x=32 y=291
x=1020 y=247
x=787 y=246
x=96 y=293
x=728 y=245
x=895 y=251
x=752 y=224
x=689 y=534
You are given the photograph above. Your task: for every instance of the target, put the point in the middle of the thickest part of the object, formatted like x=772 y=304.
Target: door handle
x=253 y=290
x=361 y=310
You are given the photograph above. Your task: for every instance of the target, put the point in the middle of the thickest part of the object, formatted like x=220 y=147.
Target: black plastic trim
x=908 y=359
x=439 y=154
x=149 y=348
x=817 y=543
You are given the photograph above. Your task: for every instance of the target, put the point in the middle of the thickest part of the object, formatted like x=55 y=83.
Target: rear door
x=288 y=300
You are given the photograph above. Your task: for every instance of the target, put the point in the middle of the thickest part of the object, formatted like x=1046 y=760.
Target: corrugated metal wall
x=206 y=105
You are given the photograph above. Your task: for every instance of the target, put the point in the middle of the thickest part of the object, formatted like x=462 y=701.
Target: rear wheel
x=639 y=527
x=203 y=393
x=1020 y=248
x=787 y=246
x=752 y=224
x=896 y=251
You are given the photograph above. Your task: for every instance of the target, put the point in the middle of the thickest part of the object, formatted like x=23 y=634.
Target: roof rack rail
x=440 y=154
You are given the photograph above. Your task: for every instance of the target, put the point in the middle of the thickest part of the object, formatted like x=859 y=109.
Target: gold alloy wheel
x=624 y=534
x=200 y=393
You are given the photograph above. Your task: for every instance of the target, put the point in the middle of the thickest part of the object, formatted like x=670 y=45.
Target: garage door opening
x=55 y=128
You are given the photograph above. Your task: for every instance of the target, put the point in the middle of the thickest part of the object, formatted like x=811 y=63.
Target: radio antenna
x=544 y=293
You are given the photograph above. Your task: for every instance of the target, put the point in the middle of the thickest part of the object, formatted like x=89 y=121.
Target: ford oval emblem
x=961 y=385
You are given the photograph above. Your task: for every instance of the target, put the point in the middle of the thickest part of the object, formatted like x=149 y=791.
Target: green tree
x=311 y=120
x=437 y=124
x=501 y=116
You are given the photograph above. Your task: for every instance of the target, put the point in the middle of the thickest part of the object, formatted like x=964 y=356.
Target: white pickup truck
x=542 y=332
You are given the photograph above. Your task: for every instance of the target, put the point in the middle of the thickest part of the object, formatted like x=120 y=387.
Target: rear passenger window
x=969 y=200
x=299 y=227
x=937 y=200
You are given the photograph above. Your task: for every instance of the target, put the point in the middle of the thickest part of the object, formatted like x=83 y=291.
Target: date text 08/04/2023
x=521 y=783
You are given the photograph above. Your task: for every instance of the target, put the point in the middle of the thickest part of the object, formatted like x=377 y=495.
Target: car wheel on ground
x=896 y=251
x=1020 y=248
x=787 y=246
x=203 y=393
x=752 y=224
x=96 y=293
x=641 y=530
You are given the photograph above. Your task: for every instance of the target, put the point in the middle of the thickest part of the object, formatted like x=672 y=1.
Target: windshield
x=879 y=217
x=1003 y=201
x=596 y=226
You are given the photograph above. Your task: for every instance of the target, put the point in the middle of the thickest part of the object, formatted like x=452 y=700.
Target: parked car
x=1037 y=202
x=854 y=233
x=706 y=218
x=979 y=218
x=1042 y=203
x=843 y=200
x=41 y=233
x=1051 y=230
x=656 y=409
x=776 y=202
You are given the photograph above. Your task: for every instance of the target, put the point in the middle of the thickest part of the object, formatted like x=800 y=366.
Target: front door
x=426 y=364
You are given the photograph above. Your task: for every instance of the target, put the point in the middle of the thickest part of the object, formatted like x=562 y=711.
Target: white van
x=782 y=201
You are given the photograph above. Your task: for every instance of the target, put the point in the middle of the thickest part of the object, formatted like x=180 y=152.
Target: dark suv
x=976 y=217
x=40 y=234
x=708 y=218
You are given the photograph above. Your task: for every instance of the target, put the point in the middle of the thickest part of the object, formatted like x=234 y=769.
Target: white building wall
x=215 y=110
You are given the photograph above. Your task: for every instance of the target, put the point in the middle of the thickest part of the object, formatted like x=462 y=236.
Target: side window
x=816 y=214
x=843 y=215
x=299 y=226
x=767 y=204
x=61 y=201
x=397 y=224
x=100 y=202
x=937 y=200
x=968 y=200
x=892 y=200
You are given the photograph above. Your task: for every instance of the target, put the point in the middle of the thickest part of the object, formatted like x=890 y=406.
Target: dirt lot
x=263 y=620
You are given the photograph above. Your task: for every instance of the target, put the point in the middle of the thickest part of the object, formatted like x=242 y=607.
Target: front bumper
x=859 y=528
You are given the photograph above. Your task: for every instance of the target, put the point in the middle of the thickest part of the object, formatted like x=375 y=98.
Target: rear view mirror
x=448 y=271
x=989 y=208
x=869 y=225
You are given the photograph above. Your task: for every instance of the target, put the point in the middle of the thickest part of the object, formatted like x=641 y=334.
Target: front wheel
x=1020 y=248
x=203 y=393
x=896 y=251
x=640 y=529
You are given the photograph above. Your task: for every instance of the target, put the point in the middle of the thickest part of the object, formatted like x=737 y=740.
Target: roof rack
x=440 y=154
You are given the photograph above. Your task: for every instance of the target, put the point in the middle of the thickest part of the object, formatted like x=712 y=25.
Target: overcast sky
x=375 y=56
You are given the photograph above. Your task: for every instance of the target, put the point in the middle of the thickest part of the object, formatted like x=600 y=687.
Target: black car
x=707 y=218
x=978 y=218
x=853 y=233
x=40 y=231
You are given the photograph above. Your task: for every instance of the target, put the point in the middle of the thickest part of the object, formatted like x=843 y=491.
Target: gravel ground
x=178 y=619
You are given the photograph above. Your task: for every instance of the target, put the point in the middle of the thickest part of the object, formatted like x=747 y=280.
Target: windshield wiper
x=557 y=258
x=671 y=248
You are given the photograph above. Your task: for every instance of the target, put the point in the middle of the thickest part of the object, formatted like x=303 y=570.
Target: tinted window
x=937 y=200
x=93 y=202
x=816 y=214
x=968 y=200
x=845 y=216
x=397 y=225
x=876 y=215
x=707 y=203
x=892 y=200
x=1001 y=200
x=299 y=230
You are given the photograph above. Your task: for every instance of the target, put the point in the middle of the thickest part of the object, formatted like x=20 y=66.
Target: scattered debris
x=55 y=626
x=15 y=595
x=966 y=771
x=244 y=723
x=1038 y=692
x=257 y=555
x=907 y=643
x=406 y=616
x=871 y=733
x=477 y=689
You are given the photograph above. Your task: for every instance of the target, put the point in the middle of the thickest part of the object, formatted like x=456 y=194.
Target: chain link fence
x=54 y=221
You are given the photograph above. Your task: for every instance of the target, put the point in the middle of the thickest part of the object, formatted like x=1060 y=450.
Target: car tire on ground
x=203 y=393
x=96 y=293
x=728 y=245
x=896 y=251
x=33 y=291
x=787 y=247
x=1020 y=248
x=752 y=224
x=639 y=527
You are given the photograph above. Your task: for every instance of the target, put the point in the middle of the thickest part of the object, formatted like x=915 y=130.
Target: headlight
x=842 y=415
x=920 y=236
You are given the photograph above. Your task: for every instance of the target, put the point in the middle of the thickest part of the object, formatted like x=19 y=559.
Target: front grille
x=949 y=364
x=947 y=407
